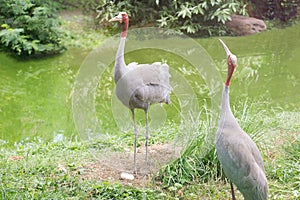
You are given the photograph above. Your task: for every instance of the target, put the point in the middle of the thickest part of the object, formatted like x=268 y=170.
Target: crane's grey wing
x=233 y=155
x=147 y=83
x=256 y=154
x=240 y=165
x=155 y=73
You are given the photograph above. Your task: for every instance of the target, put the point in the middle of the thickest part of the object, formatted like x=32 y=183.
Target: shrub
x=205 y=18
x=283 y=10
x=198 y=18
x=29 y=27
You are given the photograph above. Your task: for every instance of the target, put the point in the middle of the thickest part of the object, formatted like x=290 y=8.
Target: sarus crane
x=238 y=154
x=139 y=85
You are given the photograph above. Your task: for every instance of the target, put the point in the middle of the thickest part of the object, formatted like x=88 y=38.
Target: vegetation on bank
x=55 y=170
x=34 y=169
x=193 y=17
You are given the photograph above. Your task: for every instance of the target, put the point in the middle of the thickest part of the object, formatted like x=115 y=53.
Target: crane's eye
x=232 y=60
x=229 y=60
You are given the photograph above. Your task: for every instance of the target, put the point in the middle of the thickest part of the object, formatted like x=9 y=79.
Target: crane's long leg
x=135 y=141
x=147 y=137
x=232 y=191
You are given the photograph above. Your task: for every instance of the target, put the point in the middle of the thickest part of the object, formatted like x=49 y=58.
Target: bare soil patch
x=112 y=164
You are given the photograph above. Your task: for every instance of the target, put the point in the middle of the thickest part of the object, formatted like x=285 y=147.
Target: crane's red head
x=231 y=61
x=123 y=19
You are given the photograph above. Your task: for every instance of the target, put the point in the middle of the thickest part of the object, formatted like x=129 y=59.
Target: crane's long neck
x=225 y=95
x=226 y=114
x=125 y=28
x=227 y=83
x=231 y=68
x=225 y=99
x=120 y=65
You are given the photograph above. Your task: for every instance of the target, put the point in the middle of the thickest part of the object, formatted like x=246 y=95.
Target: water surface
x=36 y=95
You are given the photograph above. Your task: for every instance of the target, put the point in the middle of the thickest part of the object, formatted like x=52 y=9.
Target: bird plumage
x=139 y=85
x=238 y=154
x=143 y=84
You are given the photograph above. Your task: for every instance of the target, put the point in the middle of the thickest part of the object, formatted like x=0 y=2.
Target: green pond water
x=36 y=95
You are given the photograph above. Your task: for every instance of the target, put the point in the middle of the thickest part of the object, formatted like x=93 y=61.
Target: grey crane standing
x=139 y=85
x=237 y=153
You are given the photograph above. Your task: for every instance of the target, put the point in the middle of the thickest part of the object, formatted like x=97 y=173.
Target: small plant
x=191 y=166
x=199 y=160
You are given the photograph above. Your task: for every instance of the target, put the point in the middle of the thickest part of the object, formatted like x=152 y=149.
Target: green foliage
x=30 y=27
x=204 y=18
x=140 y=12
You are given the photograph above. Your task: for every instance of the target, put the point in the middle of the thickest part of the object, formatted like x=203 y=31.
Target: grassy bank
x=62 y=170
x=35 y=170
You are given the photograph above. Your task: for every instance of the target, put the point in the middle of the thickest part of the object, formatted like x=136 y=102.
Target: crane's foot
x=135 y=171
x=134 y=160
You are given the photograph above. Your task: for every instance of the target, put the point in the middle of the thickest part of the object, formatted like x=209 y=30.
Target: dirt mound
x=112 y=164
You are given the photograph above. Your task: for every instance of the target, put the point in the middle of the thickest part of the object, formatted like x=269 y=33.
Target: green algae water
x=272 y=60
x=35 y=95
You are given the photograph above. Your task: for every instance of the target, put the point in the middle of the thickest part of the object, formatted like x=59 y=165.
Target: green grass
x=33 y=169
x=36 y=170
x=283 y=166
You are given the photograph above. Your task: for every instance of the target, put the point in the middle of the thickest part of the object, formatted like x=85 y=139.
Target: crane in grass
x=139 y=85
x=238 y=154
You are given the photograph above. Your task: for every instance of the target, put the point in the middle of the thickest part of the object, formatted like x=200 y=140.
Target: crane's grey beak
x=225 y=48
x=116 y=19
x=229 y=54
